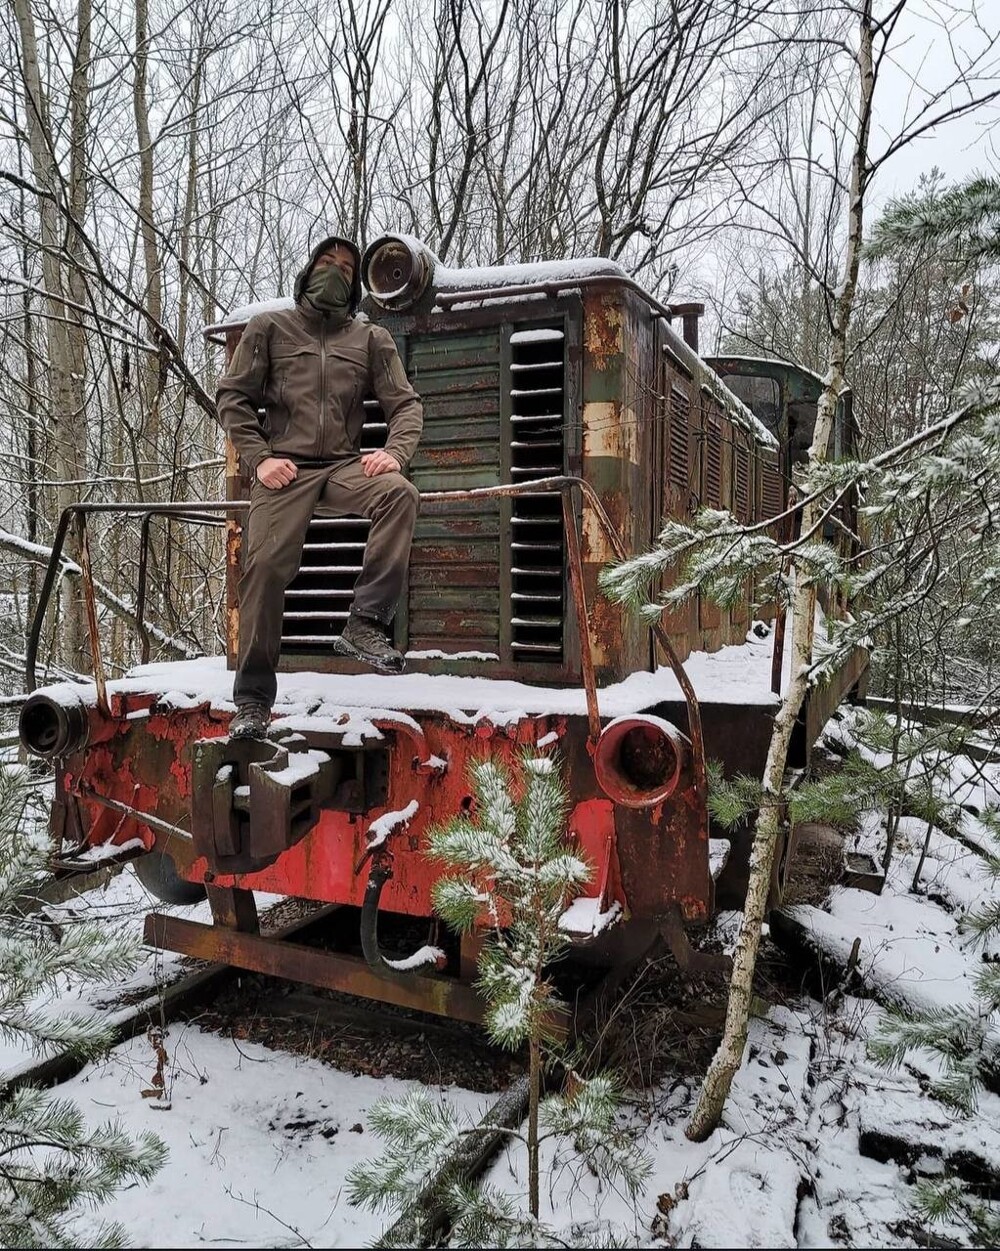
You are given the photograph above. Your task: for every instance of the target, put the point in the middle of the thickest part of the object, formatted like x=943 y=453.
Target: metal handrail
x=140 y=590
x=563 y=484
x=82 y=511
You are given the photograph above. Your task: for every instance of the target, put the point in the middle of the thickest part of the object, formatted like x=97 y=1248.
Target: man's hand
x=275 y=472
x=379 y=462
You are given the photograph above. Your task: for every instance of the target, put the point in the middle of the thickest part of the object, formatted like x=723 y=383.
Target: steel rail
x=156 y=1008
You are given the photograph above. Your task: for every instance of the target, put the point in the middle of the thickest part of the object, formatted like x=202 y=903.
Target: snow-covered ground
x=260 y=1140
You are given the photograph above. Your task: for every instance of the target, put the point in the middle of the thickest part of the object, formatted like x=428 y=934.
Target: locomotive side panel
x=617 y=445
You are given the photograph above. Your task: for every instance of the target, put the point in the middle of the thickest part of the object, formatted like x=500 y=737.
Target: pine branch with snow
x=964 y=218
x=948 y=1199
x=511 y=871
x=52 y=1165
x=587 y=1113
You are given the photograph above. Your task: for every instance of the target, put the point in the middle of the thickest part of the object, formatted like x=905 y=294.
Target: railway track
x=156 y=1008
x=217 y=995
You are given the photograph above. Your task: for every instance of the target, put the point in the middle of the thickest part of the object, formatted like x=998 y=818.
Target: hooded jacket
x=296 y=384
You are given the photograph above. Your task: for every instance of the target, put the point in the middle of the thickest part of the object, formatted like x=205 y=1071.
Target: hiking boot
x=366 y=640
x=251 y=721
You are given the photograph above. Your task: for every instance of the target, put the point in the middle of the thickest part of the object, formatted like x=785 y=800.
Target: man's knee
x=400 y=494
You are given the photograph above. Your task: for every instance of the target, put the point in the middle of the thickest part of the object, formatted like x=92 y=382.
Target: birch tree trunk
x=726 y=1061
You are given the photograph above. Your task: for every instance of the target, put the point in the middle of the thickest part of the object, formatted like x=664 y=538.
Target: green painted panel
x=456 y=478
x=432 y=578
x=457 y=382
x=461 y=551
x=428 y=352
x=447 y=598
x=456 y=622
x=465 y=411
x=453 y=455
x=441 y=525
x=453 y=596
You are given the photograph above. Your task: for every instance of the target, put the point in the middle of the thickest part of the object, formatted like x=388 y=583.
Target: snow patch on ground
x=259 y=1142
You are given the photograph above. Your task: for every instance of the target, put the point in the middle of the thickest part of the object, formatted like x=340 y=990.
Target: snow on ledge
x=108 y=851
x=435 y=653
x=425 y=955
x=347 y=703
x=584 y=916
x=385 y=825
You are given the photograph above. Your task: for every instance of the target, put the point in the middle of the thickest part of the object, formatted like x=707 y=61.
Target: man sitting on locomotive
x=309 y=368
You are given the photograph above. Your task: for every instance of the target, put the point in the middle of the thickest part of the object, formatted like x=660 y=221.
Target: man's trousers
x=273 y=537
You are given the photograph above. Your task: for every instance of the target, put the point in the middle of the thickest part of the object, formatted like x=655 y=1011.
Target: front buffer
x=336 y=809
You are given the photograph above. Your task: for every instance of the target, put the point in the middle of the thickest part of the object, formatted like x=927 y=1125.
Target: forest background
x=164 y=162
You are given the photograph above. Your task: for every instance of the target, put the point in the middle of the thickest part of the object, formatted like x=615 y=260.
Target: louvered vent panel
x=772 y=495
x=454 y=596
x=318 y=601
x=741 y=475
x=679 y=439
x=536 y=451
x=713 y=464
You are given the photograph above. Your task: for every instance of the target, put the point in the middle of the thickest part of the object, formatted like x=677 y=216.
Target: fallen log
x=429 y=1212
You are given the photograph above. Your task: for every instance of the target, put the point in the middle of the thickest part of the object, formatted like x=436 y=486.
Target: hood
x=318 y=250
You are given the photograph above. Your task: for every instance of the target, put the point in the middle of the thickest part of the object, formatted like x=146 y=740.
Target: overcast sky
x=932 y=36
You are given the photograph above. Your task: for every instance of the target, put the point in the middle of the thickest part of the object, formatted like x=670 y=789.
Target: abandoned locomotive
x=565 y=416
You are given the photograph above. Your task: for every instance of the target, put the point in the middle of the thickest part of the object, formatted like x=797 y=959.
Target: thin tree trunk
x=535 y=1081
x=728 y=1058
x=152 y=370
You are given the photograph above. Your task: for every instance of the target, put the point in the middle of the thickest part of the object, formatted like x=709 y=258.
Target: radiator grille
x=772 y=495
x=713 y=463
x=537 y=381
x=679 y=439
x=318 y=601
x=741 y=476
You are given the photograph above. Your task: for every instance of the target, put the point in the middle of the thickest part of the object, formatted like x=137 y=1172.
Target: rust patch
x=602 y=328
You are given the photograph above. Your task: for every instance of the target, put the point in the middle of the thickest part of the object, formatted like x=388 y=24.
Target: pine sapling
x=52 y=1166
x=510 y=868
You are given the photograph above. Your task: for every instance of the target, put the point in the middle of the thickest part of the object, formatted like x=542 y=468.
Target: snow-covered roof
x=483 y=277
x=446 y=278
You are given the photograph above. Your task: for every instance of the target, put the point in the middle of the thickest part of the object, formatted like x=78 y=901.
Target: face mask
x=328 y=290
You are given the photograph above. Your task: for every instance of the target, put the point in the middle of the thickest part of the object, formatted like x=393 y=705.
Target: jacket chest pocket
x=346 y=377
x=294 y=373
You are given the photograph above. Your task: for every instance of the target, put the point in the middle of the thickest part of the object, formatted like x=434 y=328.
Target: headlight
x=396 y=271
x=638 y=760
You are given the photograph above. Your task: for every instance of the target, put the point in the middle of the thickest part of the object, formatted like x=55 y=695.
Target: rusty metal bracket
x=427 y=992
x=692 y=963
x=250 y=801
x=583 y=624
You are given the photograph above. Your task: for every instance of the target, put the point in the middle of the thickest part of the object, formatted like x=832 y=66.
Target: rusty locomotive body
x=565 y=416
